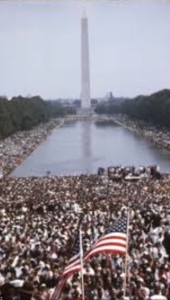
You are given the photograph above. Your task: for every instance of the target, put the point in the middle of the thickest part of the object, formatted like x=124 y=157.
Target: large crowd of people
x=159 y=136
x=39 y=218
x=14 y=149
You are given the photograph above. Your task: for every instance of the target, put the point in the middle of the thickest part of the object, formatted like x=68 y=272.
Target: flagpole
x=126 y=255
x=81 y=262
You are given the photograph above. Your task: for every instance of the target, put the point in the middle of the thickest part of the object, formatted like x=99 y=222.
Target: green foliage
x=108 y=108
x=58 y=110
x=154 y=109
x=21 y=113
x=5 y=118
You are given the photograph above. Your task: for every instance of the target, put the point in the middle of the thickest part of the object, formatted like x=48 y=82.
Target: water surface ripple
x=82 y=146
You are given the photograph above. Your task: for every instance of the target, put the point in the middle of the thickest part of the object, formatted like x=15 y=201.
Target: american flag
x=74 y=263
x=73 y=266
x=113 y=241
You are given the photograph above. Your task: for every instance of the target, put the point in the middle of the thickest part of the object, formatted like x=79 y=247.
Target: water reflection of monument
x=86 y=146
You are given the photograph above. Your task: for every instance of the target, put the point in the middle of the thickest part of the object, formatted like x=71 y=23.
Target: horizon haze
x=41 y=47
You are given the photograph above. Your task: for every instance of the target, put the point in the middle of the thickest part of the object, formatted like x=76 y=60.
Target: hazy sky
x=40 y=47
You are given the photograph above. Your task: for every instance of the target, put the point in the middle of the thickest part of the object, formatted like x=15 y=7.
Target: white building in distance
x=85 y=67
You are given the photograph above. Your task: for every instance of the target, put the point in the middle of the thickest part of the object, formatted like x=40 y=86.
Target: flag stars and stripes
x=72 y=267
x=113 y=241
x=119 y=226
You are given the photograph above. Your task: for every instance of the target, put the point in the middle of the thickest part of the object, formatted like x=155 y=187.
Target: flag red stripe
x=103 y=248
x=73 y=270
x=112 y=237
x=58 y=289
x=74 y=267
x=122 y=242
x=72 y=264
x=105 y=239
x=110 y=244
x=117 y=235
x=112 y=251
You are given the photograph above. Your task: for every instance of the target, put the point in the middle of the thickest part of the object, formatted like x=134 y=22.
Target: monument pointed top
x=85 y=64
x=84 y=15
x=84 y=9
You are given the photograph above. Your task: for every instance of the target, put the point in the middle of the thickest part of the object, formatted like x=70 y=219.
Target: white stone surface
x=85 y=68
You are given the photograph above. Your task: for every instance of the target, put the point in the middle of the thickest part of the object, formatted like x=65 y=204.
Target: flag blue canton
x=119 y=226
x=76 y=245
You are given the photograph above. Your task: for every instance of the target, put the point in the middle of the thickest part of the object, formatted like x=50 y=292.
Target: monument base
x=85 y=111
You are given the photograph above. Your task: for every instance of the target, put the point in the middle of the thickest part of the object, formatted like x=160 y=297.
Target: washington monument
x=85 y=69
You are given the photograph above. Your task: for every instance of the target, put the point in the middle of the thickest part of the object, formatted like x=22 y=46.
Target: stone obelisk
x=85 y=68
